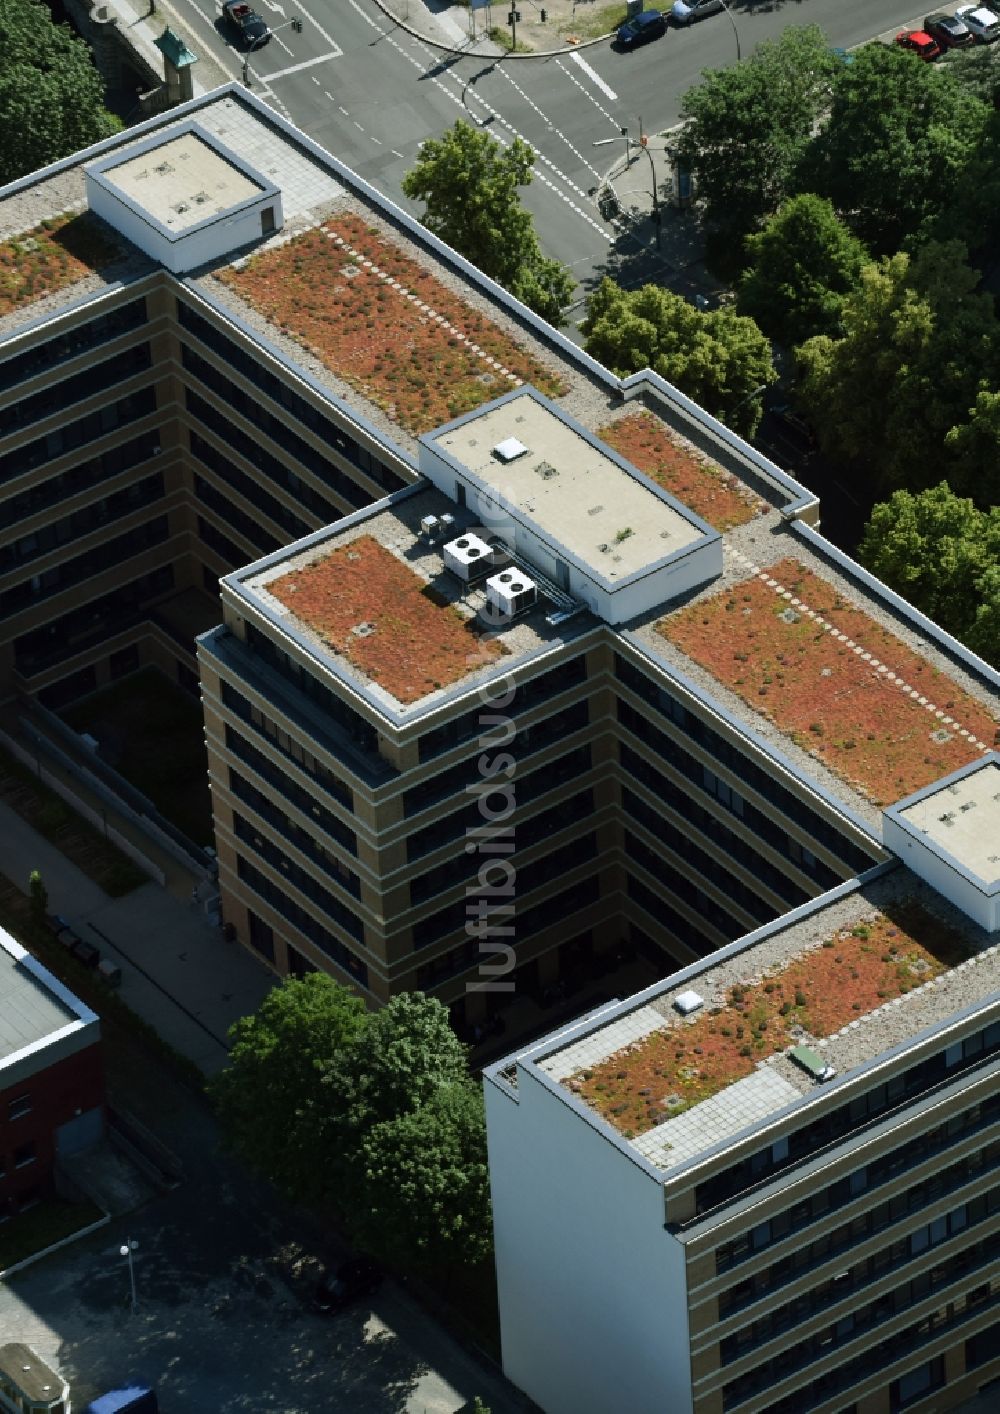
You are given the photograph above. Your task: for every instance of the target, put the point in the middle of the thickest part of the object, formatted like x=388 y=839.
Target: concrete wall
x=929 y=863
x=593 y=1304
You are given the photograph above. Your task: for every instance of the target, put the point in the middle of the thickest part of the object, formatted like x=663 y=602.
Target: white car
x=685 y=12
x=983 y=23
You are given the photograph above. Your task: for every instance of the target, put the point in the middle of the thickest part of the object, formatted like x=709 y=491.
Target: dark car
x=351 y=1281
x=949 y=31
x=649 y=24
x=86 y=953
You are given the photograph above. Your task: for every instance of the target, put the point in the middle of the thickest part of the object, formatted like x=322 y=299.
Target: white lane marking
x=594 y=77
x=297 y=68
x=587 y=92
x=273 y=5
x=305 y=15
x=580 y=157
x=278 y=40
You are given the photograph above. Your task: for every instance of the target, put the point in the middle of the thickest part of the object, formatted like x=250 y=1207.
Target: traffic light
x=543 y=15
x=297 y=26
x=514 y=18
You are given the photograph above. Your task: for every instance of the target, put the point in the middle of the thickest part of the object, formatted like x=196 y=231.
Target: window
x=24 y=1154
x=20 y=1105
x=915 y=1384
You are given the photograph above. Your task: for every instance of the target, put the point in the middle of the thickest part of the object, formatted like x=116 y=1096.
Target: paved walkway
x=178 y=973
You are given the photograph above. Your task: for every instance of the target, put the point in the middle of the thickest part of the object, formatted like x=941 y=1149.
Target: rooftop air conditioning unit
x=511 y=592
x=429 y=527
x=469 y=557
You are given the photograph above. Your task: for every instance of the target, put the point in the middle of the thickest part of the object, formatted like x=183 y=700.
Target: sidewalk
x=178 y=973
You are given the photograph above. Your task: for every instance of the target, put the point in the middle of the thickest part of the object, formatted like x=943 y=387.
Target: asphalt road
x=371 y=93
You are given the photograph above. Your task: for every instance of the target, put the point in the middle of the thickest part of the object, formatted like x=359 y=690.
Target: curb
x=55 y=1246
x=507 y=54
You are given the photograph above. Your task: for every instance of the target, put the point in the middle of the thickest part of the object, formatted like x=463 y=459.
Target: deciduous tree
x=469 y=184
x=745 y=130
x=719 y=359
x=51 y=96
x=802 y=265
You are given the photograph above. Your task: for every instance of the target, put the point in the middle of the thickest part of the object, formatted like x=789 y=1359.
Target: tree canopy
x=720 y=359
x=918 y=343
x=469 y=184
x=802 y=265
x=890 y=153
x=51 y=96
x=746 y=127
x=943 y=555
x=372 y=1113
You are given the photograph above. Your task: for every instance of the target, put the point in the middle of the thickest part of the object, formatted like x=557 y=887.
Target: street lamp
x=126 y=1250
x=296 y=25
x=732 y=21
x=642 y=144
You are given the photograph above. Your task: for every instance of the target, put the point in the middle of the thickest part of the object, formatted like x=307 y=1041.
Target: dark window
x=25 y=1154
x=41 y=358
x=81 y=567
x=19 y=1106
x=916 y=1384
x=302 y=919
x=57 y=490
x=70 y=435
x=56 y=397
x=261 y=935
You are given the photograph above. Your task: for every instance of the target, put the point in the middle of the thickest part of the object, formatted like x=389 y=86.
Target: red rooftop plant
x=819 y=689
x=421 y=353
x=847 y=976
x=369 y=606
x=53 y=255
x=697 y=482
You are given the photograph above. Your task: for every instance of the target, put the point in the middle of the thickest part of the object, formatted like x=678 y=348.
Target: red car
x=919 y=43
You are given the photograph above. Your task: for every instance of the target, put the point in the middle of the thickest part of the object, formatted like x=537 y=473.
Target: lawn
x=845 y=977
x=382 y=322
x=49 y=1221
x=840 y=685
x=152 y=733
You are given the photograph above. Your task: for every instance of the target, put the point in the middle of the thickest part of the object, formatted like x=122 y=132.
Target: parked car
x=919 y=43
x=983 y=24
x=648 y=24
x=86 y=953
x=353 y=1280
x=685 y=12
x=949 y=31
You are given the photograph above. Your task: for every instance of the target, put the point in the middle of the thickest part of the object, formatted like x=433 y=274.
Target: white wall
x=927 y=863
x=592 y=1289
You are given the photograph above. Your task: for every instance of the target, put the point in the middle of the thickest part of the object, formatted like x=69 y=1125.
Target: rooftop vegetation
x=53 y=255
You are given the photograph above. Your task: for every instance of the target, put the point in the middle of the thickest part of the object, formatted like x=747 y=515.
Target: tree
x=918 y=341
x=802 y=266
x=39 y=897
x=51 y=96
x=943 y=555
x=270 y=1099
x=719 y=359
x=469 y=184
x=426 y=1183
x=891 y=152
x=745 y=129
x=975 y=448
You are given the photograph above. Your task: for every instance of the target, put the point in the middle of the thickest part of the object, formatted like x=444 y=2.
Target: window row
x=756 y=775
x=835 y=1124
x=683 y=803
x=301 y=919
x=480 y=722
x=71 y=344
x=57 y=397
x=677 y=924
x=91 y=623
x=836 y=1195
x=246 y=525
x=469 y=775
x=285 y=785
x=759 y=824
x=249 y=487
x=855 y=1278
x=81 y=522
x=279 y=391
x=275 y=428
x=304 y=840
x=57 y=490
x=294 y=751
x=70 y=435
x=85 y=566
x=682 y=886
x=302 y=880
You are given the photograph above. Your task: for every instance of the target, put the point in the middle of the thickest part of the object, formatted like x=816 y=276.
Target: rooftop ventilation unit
x=509 y=450
x=429 y=526
x=468 y=557
x=511 y=592
x=687 y=1002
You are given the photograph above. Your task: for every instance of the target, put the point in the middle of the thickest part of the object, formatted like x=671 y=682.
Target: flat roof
x=29 y=1011
x=374 y=604
x=963 y=817
x=182 y=181
x=572 y=488
x=856 y=977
